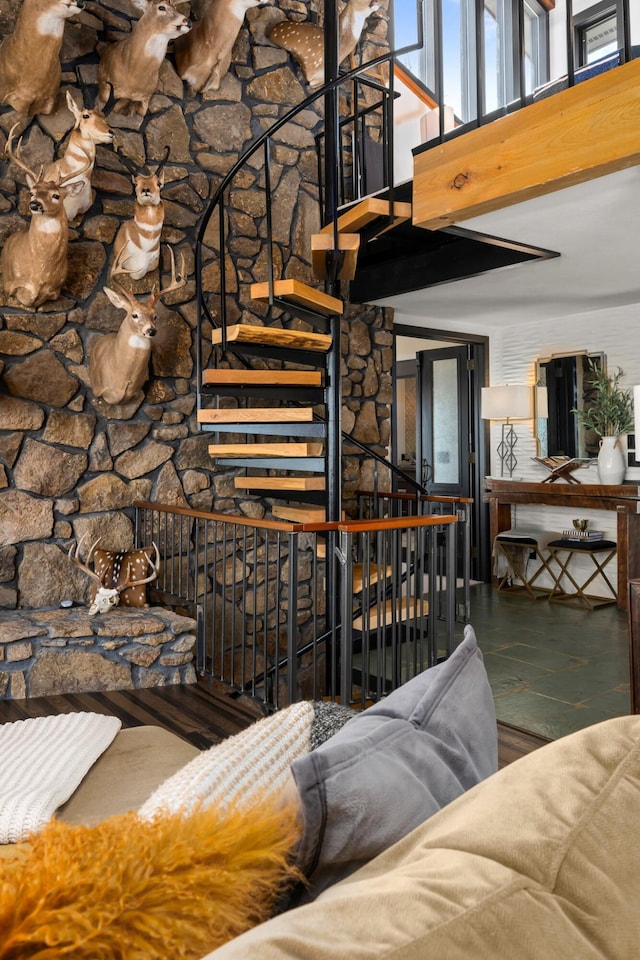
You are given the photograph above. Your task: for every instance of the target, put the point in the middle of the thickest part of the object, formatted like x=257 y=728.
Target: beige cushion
x=127 y=773
x=541 y=860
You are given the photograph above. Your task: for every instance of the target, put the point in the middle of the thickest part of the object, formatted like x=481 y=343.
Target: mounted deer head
x=119 y=363
x=34 y=261
x=137 y=244
x=90 y=128
x=204 y=57
x=305 y=41
x=30 y=57
x=119 y=577
x=131 y=66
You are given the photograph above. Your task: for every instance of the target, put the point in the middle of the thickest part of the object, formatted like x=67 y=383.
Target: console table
x=623 y=499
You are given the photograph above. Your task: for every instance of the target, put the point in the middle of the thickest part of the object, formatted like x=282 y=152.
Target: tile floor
x=553 y=669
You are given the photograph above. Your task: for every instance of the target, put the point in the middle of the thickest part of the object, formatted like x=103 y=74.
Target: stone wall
x=71 y=465
x=46 y=652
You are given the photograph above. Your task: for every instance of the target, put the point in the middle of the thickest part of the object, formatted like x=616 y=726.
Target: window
x=598 y=32
x=499 y=32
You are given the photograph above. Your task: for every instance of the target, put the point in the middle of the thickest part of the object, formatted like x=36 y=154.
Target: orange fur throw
x=176 y=886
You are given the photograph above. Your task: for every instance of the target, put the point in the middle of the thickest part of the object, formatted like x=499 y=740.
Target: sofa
x=408 y=844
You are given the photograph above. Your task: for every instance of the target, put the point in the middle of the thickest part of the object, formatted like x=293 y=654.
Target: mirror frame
x=540 y=424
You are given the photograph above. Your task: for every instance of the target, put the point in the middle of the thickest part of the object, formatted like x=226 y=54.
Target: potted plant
x=608 y=412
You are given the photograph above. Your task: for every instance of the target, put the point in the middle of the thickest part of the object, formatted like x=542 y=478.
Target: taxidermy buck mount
x=131 y=67
x=34 y=261
x=204 y=56
x=90 y=128
x=120 y=577
x=30 y=69
x=305 y=41
x=119 y=362
x=137 y=244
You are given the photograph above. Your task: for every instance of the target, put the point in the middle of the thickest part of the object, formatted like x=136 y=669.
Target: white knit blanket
x=255 y=762
x=42 y=761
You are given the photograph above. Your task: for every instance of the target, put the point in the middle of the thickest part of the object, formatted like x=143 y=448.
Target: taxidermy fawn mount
x=137 y=244
x=34 y=261
x=305 y=41
x=90 y=128
x=131 y=67
x=30 y=69
x=204 y=56
x=119 y=362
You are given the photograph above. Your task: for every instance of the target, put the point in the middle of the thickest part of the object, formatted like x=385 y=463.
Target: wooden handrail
x=221 y=517
x=398 y=495
x=398 y=523
x=352 y=526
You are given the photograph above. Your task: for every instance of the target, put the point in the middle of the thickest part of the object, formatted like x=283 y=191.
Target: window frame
x=588 y=18
x=509 y=66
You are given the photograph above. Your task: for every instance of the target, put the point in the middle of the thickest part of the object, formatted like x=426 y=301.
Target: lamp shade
x=507 y=403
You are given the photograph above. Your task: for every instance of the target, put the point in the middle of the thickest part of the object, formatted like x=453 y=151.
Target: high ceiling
x=594 y=226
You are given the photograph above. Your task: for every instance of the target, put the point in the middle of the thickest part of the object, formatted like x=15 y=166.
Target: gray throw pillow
x=394 y=765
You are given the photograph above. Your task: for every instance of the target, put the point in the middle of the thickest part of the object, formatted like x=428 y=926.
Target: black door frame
x=478 y=348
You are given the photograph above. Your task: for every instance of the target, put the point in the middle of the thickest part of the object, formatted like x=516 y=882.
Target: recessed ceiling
x=594 y=226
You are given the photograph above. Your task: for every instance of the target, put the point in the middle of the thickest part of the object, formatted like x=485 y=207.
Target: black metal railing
x=385 y=503
x=519 y=91
x=258 y=593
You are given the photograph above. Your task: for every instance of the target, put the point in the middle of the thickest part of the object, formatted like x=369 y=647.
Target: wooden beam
x=583 y=132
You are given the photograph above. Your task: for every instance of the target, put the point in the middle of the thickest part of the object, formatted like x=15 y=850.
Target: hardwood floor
x=203 y=713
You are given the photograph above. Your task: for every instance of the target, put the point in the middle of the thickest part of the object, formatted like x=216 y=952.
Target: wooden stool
x=601 y=552
x=515 y=549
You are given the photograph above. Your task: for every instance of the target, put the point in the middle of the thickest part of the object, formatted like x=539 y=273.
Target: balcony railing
x=503 y=58
x=258 y=591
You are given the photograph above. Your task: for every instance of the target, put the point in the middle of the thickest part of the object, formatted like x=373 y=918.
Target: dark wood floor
x=203 y=714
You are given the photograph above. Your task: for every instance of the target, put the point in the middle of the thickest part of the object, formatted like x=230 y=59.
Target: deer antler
x=74 y=556
x=15 y=156
x=176 y=281
x=75 y=174
x=155 y=566
x=129 y=164
x=167 y=149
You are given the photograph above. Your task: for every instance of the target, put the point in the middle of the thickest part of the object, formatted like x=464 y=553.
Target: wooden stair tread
x=265 y=449
x=232 y=378
x=257 y=415
x=375 y=572
x=382 y=614
x=273 y=336
x=279 y=483
x=297 y=292
x=300 y=514
x=366 y=211
x=323 y=243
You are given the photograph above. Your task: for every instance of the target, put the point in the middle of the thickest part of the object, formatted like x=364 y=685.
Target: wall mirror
x=566 y=377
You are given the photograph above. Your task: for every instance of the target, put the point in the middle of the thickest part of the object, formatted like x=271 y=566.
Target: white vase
x=611 y=465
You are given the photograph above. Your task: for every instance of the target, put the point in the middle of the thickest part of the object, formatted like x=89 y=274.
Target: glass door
x=443 y=409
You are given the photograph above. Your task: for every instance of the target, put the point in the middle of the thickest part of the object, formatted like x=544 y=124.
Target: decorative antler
x=74 y=556
x=160 y=166
x=36 y=177
x=176 y=281
x=155 y=567
x=129 y=164
x=15 y=156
